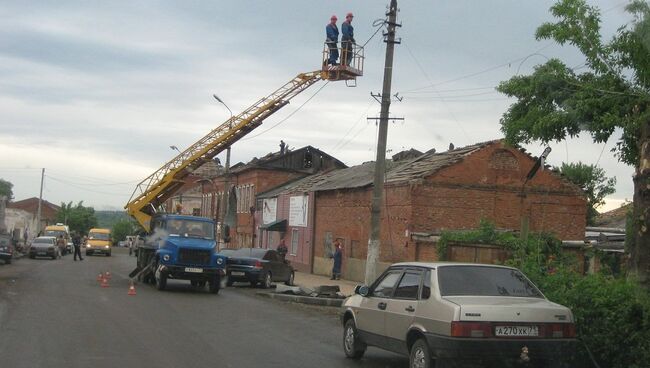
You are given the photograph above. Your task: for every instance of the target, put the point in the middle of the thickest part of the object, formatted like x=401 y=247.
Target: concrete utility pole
x=380 y=164
x=40 y=206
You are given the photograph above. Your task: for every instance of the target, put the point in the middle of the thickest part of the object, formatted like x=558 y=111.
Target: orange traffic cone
x=107 y=275
x=104 y=283
x=131 y=289
x=100 y=277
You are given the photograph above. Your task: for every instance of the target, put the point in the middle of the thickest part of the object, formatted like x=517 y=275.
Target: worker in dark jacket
x=338 y=259
x=347 y=40
x=332 y=34
x=76 y=242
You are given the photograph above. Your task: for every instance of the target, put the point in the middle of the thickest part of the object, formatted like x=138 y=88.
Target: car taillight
x=258 y=264
x=561 y=330
x=471 y=329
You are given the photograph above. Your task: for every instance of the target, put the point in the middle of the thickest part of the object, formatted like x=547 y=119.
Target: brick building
x=436 y=191
x=206 y=190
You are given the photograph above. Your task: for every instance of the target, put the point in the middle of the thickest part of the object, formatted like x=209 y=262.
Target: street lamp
x=175 y=148
x=227 y=168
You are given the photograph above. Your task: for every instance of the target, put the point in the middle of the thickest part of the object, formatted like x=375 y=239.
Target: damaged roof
x=363 y=175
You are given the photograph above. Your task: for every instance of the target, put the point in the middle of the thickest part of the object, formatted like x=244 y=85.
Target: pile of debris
x=323 y=291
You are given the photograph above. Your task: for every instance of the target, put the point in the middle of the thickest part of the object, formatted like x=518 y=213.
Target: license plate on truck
x=516 y=331
x=193 y=270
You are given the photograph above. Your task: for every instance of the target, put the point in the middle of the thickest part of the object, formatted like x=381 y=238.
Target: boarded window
x=295 y=236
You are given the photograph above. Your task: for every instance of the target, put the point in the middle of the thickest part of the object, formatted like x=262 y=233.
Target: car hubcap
x=418 y=359
x=349 y=339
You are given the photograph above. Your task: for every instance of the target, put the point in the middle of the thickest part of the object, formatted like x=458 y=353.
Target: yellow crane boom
x=150 y=193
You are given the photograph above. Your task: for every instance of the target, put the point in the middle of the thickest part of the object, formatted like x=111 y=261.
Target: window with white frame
x=295 y=236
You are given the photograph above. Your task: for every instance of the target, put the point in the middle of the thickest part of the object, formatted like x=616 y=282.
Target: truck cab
x=182 y=248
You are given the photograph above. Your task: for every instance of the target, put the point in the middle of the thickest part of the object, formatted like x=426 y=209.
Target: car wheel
x=289 y=282
x=214 y=285
x=353 y=347
x=420 y=357
x=161 y=281
x=229 y=282
x=267 y=281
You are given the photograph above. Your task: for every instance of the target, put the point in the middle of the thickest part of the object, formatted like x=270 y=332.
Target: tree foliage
x=556 y=102
x=6 y=189
x=122 y=228
x=79 y=218
x=593 y=181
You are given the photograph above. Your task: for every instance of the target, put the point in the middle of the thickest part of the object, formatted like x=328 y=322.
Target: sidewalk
x=311 y=281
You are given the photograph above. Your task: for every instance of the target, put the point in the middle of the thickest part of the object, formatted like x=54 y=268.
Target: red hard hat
x=334 y=17
x=349 y=15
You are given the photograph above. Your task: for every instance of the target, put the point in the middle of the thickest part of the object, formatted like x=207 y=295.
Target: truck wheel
x=229 y=282
x=161 y=282
x=194 y=283
x=267 y=283
x=215 y=285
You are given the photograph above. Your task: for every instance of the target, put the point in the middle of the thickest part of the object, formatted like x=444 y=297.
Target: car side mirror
x=361 y=290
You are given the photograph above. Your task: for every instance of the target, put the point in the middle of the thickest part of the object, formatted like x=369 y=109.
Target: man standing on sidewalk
x=338 y=259
x=76 y=242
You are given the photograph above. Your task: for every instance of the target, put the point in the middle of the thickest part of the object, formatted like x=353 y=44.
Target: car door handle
x=381 y=305
x=409 y=309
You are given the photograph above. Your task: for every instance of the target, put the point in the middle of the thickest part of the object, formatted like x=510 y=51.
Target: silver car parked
x=44 y=246
x=439 y=313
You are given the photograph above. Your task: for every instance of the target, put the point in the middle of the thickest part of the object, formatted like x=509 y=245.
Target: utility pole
x=40 y=206
x=380 y=163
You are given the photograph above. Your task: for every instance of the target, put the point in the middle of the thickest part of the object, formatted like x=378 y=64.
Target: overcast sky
x=95 y=92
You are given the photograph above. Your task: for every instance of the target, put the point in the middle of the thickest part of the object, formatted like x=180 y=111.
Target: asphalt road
x=53 y=313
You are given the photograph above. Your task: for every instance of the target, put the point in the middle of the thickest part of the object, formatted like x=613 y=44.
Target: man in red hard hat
x=332 y=34
x=347 y=40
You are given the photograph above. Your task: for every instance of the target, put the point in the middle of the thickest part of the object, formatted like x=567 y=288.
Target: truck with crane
x=185 y=247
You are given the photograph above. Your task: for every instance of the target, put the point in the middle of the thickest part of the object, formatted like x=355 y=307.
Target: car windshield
x=43 y=241
x=250 y=253
x=484 y=281
x=98 y=236
x=54 y=233
x=190 y=228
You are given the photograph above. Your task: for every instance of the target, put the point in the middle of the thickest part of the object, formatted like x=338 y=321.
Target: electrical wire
x=288 y=116
x=82 y=188
x=94 y=181
x=451 y=113
x=353 y=125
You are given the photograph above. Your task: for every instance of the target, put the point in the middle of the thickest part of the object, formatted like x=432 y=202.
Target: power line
x=288 y=116
x=94 y=181
x=451 y=113
x=353 y=125
x=82 y=188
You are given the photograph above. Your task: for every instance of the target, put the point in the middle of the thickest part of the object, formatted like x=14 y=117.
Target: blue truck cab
x=184 y=248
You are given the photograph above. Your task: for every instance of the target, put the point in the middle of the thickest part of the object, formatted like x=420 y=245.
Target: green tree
x=593 y=181
x=610 y=94
x=6 y=189
x=122 y=228
x=79 y=218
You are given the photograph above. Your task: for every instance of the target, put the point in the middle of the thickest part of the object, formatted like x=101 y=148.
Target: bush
x=612 y=314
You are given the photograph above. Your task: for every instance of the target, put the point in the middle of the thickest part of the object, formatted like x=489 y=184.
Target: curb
x=328 y=302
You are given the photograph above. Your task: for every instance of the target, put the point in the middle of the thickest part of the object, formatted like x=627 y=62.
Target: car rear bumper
x=245 y=274
x=497 y=348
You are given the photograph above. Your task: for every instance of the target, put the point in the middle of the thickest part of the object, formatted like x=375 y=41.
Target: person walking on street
x=347 y=40
x=332 y=34
x=60 y=244
x=76 y=242
x=338 y=258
